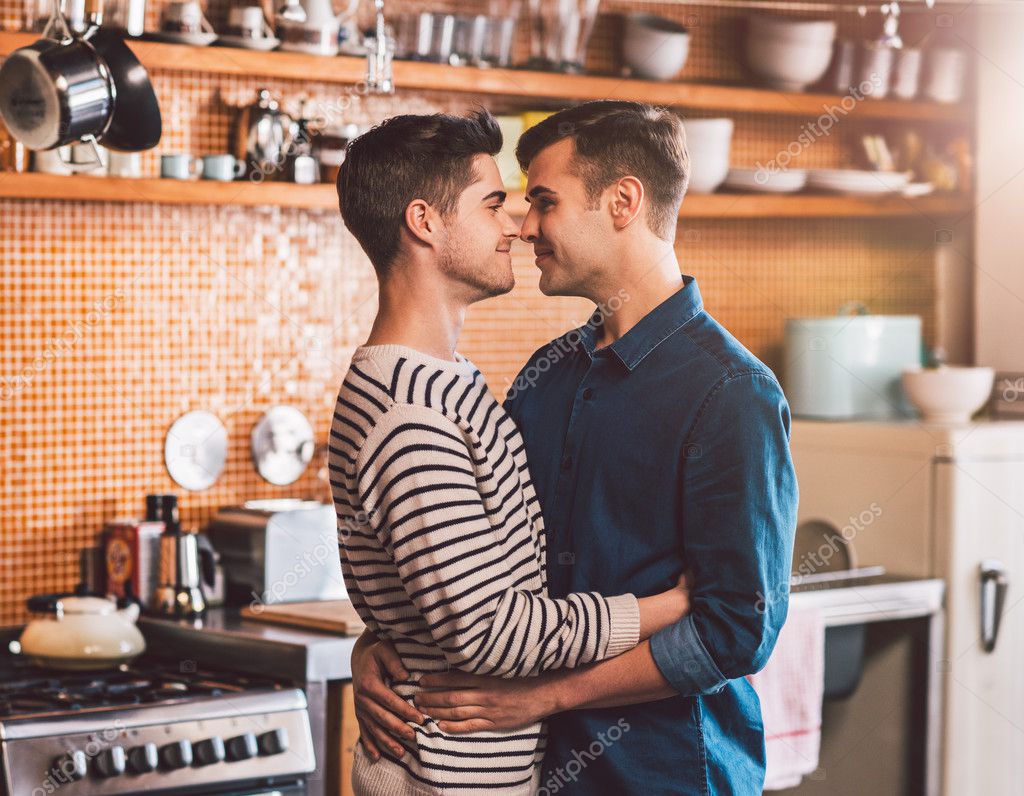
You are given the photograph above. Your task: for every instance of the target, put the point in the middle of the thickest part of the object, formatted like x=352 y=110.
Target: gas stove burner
x=27 y=689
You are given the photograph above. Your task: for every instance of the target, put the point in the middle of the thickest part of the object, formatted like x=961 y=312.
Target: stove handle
x=994 y=584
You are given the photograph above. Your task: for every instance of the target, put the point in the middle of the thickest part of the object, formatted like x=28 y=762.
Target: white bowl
x=708 y=142
x=789 y=55
x=653 y=47
x=948 y=394
x=764 y=181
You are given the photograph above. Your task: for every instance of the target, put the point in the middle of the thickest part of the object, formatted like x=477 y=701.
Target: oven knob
x=209 y=751
x=143 y=759
x=72 y=765
x=273 y=742
x=242 y=747
x=177 y=754
x=110 y=762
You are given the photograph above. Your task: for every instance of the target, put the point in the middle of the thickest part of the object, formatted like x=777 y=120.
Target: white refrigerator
x=931 y=501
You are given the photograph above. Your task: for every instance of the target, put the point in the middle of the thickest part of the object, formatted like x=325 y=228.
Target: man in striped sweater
x=441 y=535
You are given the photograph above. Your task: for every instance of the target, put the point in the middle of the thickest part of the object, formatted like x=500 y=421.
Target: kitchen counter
x=224 y=638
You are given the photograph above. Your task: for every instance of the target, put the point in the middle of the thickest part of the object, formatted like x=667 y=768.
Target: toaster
x=278 y=551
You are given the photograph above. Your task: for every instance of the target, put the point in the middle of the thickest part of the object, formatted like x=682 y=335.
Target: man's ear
x=422 y=222
x=627 y=201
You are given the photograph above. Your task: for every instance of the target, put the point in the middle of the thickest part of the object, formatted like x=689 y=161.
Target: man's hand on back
x=381 y=713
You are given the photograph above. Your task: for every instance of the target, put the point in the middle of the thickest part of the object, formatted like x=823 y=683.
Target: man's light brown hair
x=404 y=158
x=615 y=139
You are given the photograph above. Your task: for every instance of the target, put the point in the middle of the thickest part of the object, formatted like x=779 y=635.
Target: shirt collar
x=653 y=329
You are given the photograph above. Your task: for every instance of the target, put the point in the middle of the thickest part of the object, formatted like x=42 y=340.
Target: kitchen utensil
x=262 y=134
x=126 y=16
x=330 y=616
x=224 y=168
x=132 y=556
x=500 y=37
x=184 y=16
x=196 y=445
x=180 y=166
x=857 y=182
x=654 y=47
x=946 y=74
x=764 y=181
x=86 y=158
x=81 y=633
x=906 y=79
x=948 y=394
x=845 y=367
x=39 y=12
x=708 y=143
x=57 y=90
x=276 y=551
x=282 y=445
x=789 y=54
x=124 y=164
x=135 y=124
x=318 y=32
x=415 y=32
x=184 y=566
x=380 y=52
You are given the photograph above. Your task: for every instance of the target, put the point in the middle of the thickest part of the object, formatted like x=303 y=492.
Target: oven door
x=281 y=786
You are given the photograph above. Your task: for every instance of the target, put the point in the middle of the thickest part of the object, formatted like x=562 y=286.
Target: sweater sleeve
x=418 y=485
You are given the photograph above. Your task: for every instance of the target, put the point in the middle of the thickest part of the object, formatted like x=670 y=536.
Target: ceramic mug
x=222 y=167
x=124 y=164
x=249 y=22
x=184 y=17
x=180 y=167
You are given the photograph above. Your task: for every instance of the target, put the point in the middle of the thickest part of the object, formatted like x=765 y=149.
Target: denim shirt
x=665 y=451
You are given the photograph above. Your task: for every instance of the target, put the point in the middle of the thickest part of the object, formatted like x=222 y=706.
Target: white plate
x=789 y=181
x=857 y=181
x=918 y=189
x=243 y=43
x=195 y=39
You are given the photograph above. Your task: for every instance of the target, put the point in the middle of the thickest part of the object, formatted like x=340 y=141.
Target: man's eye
x=496 y=207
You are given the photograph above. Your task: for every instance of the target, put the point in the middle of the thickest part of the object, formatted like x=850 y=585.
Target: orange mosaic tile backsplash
x=117 y=318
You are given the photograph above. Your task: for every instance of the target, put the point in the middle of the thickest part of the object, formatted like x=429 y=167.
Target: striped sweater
x=442 y=548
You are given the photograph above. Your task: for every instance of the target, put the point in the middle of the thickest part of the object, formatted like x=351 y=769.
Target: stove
x=155 y=726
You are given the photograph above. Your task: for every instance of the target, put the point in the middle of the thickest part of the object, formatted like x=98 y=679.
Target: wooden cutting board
x=331 y=616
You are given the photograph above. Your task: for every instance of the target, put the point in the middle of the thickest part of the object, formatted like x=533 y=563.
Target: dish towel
x=790 y=687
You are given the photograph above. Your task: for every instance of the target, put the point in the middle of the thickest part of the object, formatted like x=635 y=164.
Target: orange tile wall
x=117 y=318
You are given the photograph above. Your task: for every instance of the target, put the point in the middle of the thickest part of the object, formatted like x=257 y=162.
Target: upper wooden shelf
x=324 y=197
x=513 y=82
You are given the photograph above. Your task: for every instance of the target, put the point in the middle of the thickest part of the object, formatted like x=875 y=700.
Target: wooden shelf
x=513 y=82
x=324 y=197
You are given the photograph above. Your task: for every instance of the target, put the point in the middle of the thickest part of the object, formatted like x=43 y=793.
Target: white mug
x=124 y=164
x=185 y=16
x=53 y=161
x=180 y=167
x=224 y=168
x=250 y=22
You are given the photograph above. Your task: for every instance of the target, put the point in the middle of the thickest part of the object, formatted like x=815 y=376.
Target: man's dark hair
x=614 y=139
x=404 y=158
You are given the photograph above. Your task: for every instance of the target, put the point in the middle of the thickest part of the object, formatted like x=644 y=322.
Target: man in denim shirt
x=657 y=444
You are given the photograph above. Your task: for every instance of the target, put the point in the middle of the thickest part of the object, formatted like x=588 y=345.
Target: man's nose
x=529 y=231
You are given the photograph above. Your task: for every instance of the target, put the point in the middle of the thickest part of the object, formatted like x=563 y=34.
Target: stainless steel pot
x=57 y=90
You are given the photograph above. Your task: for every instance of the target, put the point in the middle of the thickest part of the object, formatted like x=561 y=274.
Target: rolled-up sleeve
x=739 y=502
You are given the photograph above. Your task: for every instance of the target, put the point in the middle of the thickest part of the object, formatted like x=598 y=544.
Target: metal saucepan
x=57 y=90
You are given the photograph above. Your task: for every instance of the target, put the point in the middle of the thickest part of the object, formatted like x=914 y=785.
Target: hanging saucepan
x=57 y=90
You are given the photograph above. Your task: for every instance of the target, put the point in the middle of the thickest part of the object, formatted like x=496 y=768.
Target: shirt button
x=588 y=393
x=567 y=463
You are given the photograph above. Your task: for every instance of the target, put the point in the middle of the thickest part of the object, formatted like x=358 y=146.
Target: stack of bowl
x=789 y=54
x=708 y=142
